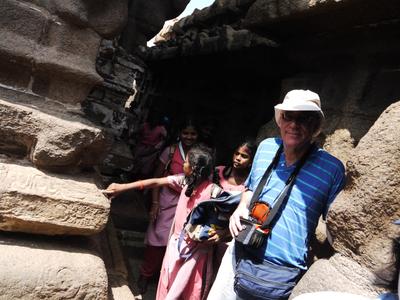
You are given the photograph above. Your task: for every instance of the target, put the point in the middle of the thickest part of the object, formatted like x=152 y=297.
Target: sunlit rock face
x=361 y=219
x=146 y=18
x=43 y=268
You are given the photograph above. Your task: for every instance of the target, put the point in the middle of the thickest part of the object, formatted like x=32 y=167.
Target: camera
x=251 y=235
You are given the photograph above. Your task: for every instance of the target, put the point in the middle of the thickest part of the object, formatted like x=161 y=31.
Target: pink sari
x=189 y=278
x=157 y=232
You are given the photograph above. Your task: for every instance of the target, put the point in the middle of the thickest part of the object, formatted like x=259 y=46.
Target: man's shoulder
x=324 y=158
x=272 y=143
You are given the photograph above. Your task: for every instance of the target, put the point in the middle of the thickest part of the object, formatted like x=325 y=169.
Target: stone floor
x=152 y=287
x=130 y=216
x=133 y=248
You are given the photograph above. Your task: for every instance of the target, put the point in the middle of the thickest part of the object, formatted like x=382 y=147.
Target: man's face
x=297 y=128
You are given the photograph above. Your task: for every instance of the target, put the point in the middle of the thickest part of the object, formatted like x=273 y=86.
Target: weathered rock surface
x=283 y=14
x=40 y=268
x=105 y=17
x=360 y=219
x=36 y=202
x=339 y=274
x=266 y=11
x=50 y=47
x=60 y=140
x=146 y=18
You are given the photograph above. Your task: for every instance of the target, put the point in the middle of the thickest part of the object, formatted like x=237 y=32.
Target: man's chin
x=293 y=142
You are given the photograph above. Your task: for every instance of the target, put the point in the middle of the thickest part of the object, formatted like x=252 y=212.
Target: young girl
x=232 y=178
x=183 y=278
x=164 y=203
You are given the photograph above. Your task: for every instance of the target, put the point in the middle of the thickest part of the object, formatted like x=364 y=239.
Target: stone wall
x=52 y=214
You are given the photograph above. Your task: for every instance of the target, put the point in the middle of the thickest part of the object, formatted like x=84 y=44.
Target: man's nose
x=295 y=122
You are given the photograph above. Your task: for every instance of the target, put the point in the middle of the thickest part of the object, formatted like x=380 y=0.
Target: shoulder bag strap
x=181 y=152
x=171 y=153
x=286 y=191
x=264 y=179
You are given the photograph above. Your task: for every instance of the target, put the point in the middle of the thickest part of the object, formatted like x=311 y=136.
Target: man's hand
x=234 y=221
x=241 y=211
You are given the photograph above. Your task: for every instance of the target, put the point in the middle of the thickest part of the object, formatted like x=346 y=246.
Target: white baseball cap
x=299 y=100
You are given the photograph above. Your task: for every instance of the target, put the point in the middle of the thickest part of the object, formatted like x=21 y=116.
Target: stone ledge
x=52 y=142
x=36 y=202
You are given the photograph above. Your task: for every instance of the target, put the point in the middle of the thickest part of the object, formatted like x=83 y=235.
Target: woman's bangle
x=141 y=186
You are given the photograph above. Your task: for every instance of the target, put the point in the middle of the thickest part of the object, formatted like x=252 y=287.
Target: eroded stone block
x=338 y=274
x=43 y=269
x=361 y=218
x=37 y=202
x=58 y=140
x=52 y=51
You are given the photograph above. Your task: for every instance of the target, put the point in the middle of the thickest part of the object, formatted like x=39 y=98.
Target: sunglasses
x=304 y=118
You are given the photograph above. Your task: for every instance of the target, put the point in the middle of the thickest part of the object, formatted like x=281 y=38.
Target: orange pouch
x=260 y=211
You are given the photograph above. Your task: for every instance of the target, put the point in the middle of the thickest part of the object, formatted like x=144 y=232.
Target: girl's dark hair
x=249 y=144
x=189 y=122
x=178 y=127
x=202 y=163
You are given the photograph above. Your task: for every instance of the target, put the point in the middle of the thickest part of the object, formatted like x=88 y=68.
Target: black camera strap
x=286 y=190
x=264 y=178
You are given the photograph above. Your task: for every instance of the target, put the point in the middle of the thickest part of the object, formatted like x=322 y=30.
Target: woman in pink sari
x=164 y=202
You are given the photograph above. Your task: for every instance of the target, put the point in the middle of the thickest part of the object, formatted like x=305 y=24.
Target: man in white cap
x=321 y=177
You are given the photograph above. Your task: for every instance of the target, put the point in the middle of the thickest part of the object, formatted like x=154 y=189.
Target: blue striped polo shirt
x=319 y=181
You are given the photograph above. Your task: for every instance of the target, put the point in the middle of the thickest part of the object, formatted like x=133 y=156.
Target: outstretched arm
x=115 y=189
